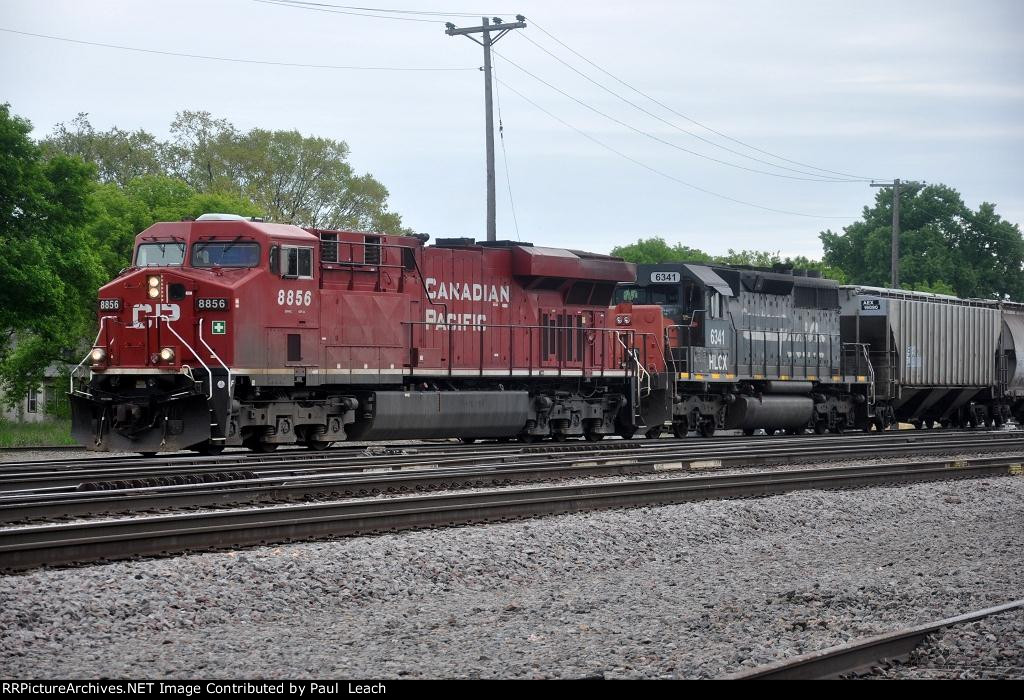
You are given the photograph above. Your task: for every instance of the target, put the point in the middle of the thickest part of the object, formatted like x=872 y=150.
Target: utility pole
x=501 y=29
x=894 y=274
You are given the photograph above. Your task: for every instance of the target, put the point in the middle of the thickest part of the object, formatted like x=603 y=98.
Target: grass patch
x=51 y=432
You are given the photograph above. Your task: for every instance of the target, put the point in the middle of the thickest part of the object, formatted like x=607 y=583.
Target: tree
x=656 y=250
x=287 y=177
x=118 y=155
x=49 y=270
x=117 y=214
x=944 y=246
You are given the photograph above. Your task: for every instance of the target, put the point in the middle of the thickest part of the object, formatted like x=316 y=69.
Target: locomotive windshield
x=225 y=254
x=161 y=254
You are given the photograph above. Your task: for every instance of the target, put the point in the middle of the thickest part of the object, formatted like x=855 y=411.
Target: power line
x=676 y=126
x=222 y=58
x=297 y=6
x=662 y=141
x=504 y=159
x=858 y=178
x=389 y=10
x=619 y=153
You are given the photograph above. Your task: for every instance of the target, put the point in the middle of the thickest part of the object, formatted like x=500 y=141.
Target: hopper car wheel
x=749 y=431
x=528 y=438
x=707 y=429
x=627 y=432
x=592 y=436
x=654 y=433
x=318 y=445
x=467 y=441
x=148 y=454
x=557 y=437
x=821 y=427
x=680 y=430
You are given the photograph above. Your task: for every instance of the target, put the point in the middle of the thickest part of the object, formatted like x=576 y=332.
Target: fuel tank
x=751 y=412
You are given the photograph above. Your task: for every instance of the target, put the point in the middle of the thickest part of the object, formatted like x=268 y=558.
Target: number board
x=110 y=304
x=665 y=277
x=212 y=304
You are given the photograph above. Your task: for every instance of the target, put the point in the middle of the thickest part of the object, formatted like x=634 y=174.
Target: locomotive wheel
x=148 y=454
x=467 y=441
x=626 y=432
x=680 y=430
x=821 y=427
x=770 y=431
x=655 y=432
x=592 y=436
x=528 y=438
x=749 y=431
x=707 y=429
x=558 y=437
x=318 y=445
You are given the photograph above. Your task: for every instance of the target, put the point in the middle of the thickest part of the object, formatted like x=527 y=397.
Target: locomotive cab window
x=160 y=254
x=225 y=254
x=296 y=262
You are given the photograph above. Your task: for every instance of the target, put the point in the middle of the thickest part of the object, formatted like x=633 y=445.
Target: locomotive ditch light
x=167 y=354
x=98 y=355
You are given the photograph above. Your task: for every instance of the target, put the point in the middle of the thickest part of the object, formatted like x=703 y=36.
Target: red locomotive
x=227 y=331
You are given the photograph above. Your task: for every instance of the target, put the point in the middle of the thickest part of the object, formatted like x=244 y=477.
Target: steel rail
x=700 y=456
x=788 y=451
x=693 y=457
x=862 y=655
x=340 y=451
x=29 y=547
x=23 y=507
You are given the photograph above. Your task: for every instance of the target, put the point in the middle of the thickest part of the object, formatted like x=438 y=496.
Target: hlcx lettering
x=718 y=362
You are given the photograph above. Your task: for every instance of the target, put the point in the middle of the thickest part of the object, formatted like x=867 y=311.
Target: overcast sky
x=929 y=90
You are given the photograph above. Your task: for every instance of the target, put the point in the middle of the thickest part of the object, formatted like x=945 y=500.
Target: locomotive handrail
x=184 y=342
x=71 y=377
x=231 y=385
x=559 y=363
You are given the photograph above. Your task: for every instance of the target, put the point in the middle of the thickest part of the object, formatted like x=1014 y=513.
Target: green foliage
x=42 y=434
x=120 y=156
x=49 y=269
x=656 y=250
x=282 y=175
x=118 y=214
x=944 y=246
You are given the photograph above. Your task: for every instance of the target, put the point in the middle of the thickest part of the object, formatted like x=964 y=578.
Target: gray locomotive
x=785 y=350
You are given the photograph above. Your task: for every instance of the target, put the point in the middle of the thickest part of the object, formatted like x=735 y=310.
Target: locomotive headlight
x=167 y=354
x=154 y=281
x=98 y=355
x=154 y=292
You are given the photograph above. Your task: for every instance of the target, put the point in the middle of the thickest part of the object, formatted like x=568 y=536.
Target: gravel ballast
x=693 y=590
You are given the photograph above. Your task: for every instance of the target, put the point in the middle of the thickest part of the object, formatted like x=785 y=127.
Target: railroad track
x=119 y=474
x=46 y=496
x=28 y=547
x=863 y=655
